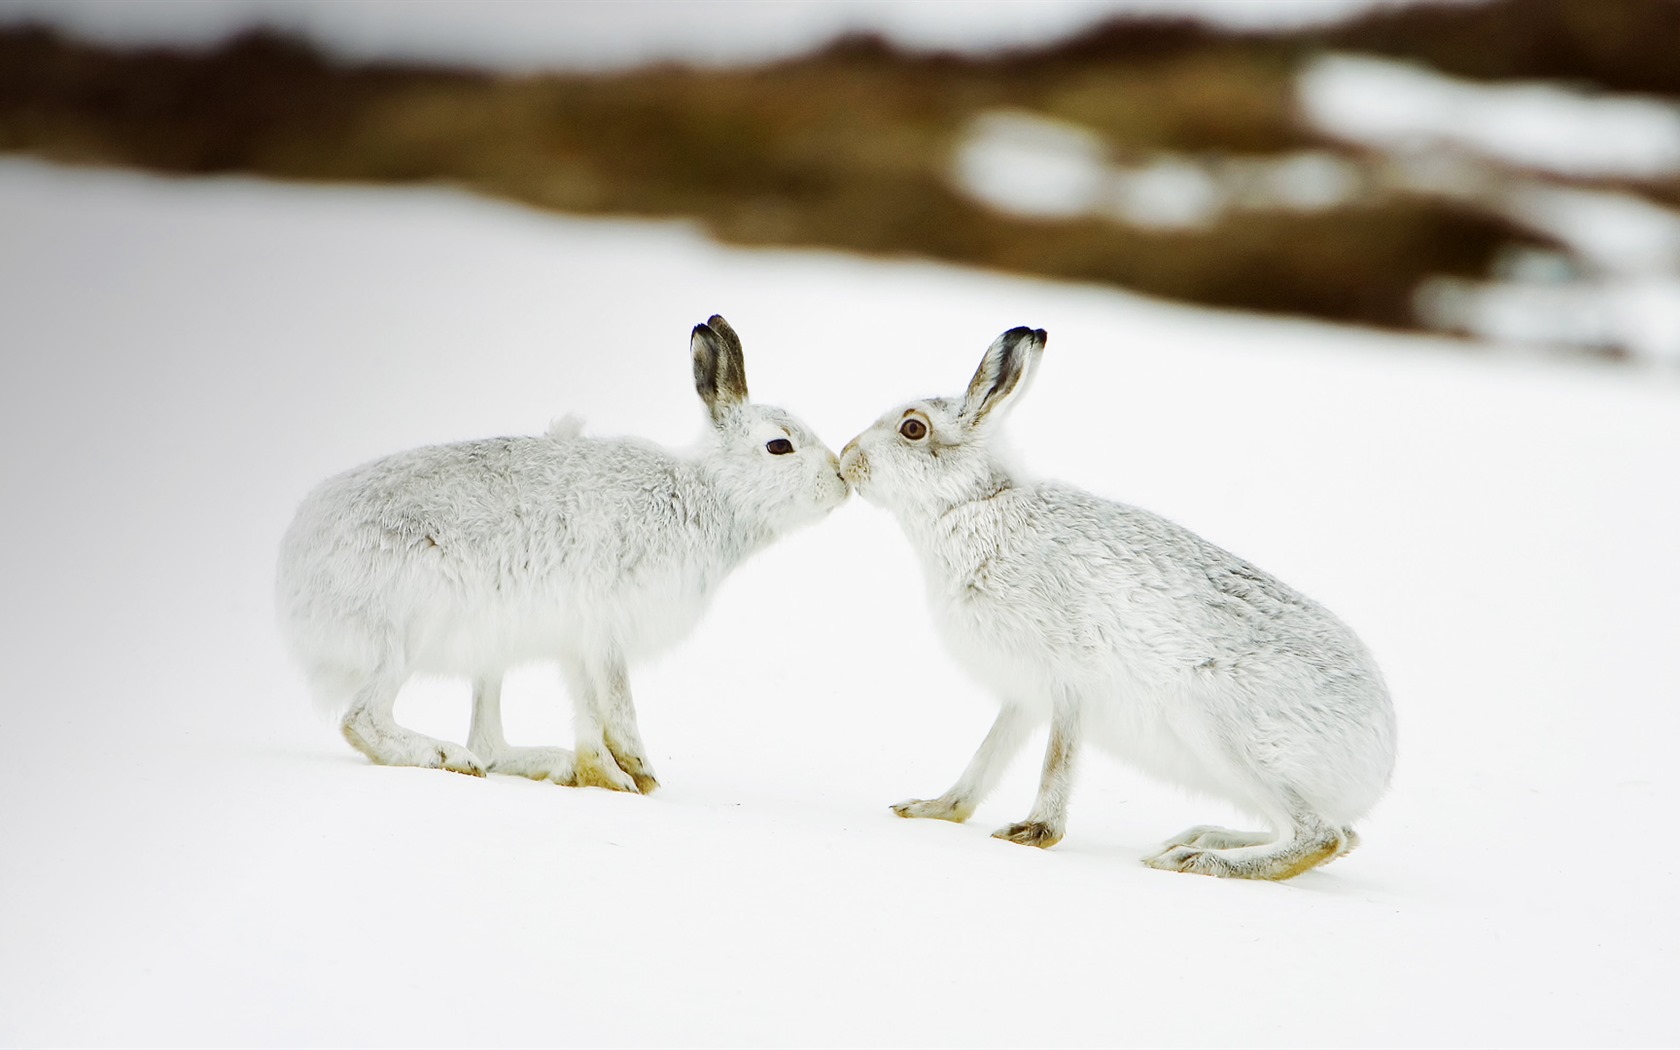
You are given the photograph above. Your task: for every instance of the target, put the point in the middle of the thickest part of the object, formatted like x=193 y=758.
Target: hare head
x=935 y=451
x=766 y=459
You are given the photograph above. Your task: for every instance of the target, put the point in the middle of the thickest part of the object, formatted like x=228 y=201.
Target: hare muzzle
x=854 y=465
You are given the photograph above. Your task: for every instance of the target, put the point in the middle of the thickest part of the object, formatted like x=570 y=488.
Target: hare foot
x=934 y=808
x=1276 y=861
x=633 y=762
x=395 y=746
x=537 y=763
x=1030 y=833
x=594 y=769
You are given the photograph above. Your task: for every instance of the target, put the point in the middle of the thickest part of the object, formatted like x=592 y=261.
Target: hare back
x=1192 y=663
x=470 y=557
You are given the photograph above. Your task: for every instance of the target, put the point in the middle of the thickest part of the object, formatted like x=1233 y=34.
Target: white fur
x=1115 y=624
x=471 y=558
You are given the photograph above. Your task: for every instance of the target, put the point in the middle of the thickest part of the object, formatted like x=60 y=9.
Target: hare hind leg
x=1209 y=836
x=369 y=727
x=1308 y=843
x=486 y=740
x=1350 y=840
x=1276 y=860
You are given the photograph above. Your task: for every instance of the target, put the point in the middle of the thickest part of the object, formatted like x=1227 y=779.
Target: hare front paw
x=1030 y=833
x=635 y=764
x=935 y=808
x=594 y=769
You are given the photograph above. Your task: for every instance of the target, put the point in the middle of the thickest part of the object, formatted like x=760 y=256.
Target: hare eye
x=779 y=447
x=914 y=429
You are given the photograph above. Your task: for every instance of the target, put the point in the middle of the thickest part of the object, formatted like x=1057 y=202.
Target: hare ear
x=720 y=371
x=1004 y=374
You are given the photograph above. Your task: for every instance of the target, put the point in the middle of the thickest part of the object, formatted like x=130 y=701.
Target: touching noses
x=851 y=461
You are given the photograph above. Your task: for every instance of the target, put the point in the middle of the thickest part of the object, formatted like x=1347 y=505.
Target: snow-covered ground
x=1026 y=164
x=193 y=857
x=1398 y=106
x=1462 y=139
x=1617 y=288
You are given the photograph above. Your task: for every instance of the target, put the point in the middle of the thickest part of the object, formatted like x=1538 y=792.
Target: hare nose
x=851 y=462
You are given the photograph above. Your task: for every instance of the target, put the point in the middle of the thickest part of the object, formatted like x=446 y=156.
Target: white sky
x=510 y=34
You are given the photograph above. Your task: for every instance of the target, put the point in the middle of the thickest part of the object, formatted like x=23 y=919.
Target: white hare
x=471 y=558
x=1126 y=629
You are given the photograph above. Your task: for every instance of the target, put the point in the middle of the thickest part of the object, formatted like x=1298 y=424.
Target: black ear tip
x=716 y=319
x=702 y=331
x=1016 y=336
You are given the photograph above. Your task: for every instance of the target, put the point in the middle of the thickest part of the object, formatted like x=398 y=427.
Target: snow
x=1617 y=232
x=1021 y=163
x=1451 y=137
x=1167 y=193
x=1638 y=315
x=194 y=858
x=1403 y=107
x=1628 y=298
x=596 y=34
x=1024 y=164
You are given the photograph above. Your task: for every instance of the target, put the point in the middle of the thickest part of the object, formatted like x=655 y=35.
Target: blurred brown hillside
x=864 y=147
